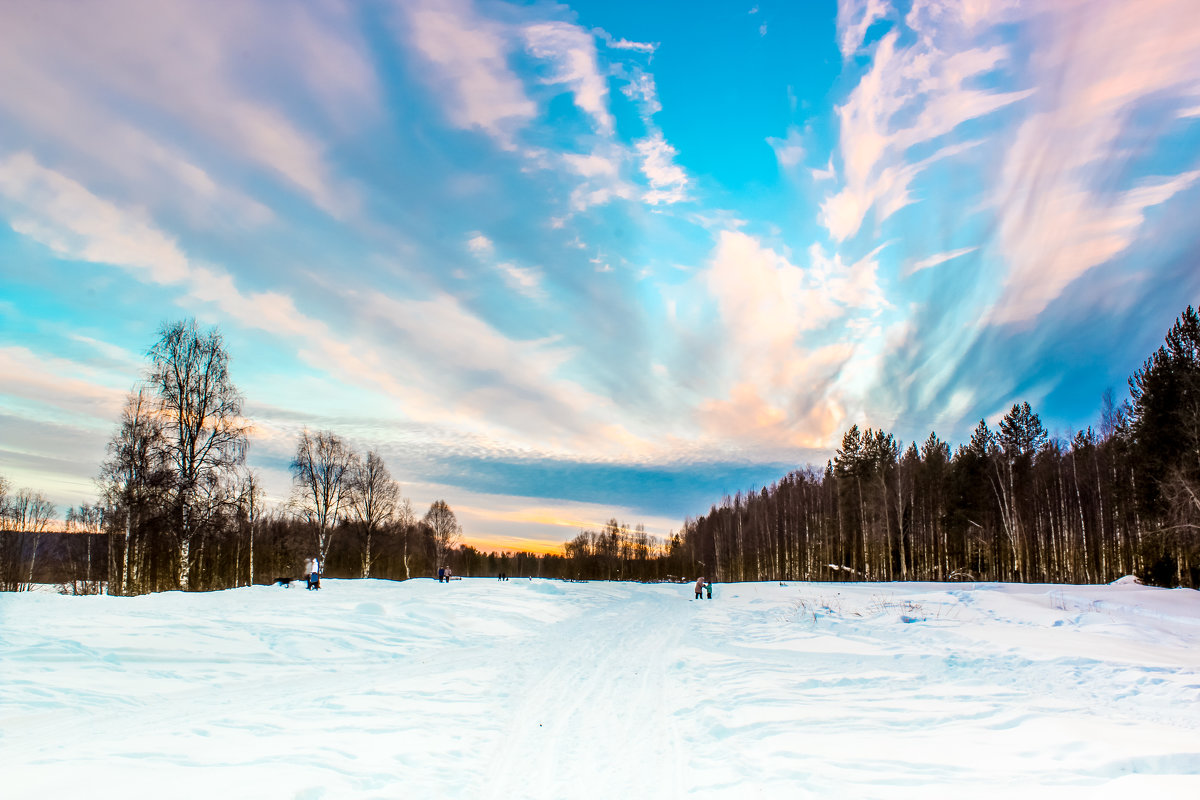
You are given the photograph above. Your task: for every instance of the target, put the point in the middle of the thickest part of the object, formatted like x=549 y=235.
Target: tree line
x=180 y=510
x=1012 y=504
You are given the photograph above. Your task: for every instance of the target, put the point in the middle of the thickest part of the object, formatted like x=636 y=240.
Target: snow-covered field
x=481 y=689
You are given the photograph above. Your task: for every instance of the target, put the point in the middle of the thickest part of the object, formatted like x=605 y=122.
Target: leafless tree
x=135 y=477
x=373 y=499
x=5 y=511
x=87 y=520
x=204 y=432
x=322 y=477
x=444 y=529
x=30 y=512
x=250 y=500
x=405 y=522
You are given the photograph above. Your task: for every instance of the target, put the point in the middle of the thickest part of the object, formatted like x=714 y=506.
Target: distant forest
x=179 y=510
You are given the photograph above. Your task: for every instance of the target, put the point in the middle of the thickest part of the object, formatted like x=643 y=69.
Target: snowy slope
x=480 y=689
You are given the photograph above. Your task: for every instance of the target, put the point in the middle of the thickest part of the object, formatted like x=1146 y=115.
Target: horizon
x=566 y=262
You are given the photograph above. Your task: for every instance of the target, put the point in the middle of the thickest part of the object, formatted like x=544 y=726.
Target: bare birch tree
x=30 y=512
x=135 y=476
x=444 y=530
x=405 y=521
x=322 y=477
x=373 y=499
x=205 y=434
x=87 y=520
x=250 y=499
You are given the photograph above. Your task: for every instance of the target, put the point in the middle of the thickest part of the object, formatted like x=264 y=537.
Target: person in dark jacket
x=441 y=574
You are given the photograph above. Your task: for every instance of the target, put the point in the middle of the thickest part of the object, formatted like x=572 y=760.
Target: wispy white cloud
x=90 y=396
x=668 y=181
x=524 y=397
x=625 y=44
x=937 y=258
x=1061 y=213
x=525 y=280
x=826 y=173
x=65 y=216
x=789 y=151
x=469 y=55
x=600 y=174
x=641 y=88
x=854 y=17
x=911 y=95
x=479 y=244
x=178 y=66
x=572 y=52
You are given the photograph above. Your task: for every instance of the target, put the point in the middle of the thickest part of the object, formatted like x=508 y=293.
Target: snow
x=542 y=689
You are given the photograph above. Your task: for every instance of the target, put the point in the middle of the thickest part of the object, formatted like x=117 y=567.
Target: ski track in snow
x=544 y=689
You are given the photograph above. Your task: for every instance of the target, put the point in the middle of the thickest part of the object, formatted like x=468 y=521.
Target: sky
x=564 y=262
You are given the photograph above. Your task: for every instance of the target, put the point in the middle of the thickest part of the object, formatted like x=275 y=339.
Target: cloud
x=469 y=56
x=641 y=88
x=488 y=383
x=775 y=317
x=63 y=215
x=625 y=44
x=887 y=192
x=435 y=360
x=480 y=245
x=1067 y=192
x=789 y=151
x=525 y=280
x=572 y=52
x=600 y=172
x=1065 y=202
x=854 y=17
x=84 y=393
x=937 y=258
x=179 y=66
x=827 y=173
x=911 y=95
x=668 y=181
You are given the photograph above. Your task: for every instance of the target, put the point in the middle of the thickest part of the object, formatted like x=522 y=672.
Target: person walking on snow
x=708 y=589
x=312 y=572
x=699 y=587
x=441 y=574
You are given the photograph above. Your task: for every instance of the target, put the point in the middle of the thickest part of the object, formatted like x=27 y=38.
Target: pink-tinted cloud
x=1061 y=211
x=469 y=57
x=181 y=66
x=912 y=95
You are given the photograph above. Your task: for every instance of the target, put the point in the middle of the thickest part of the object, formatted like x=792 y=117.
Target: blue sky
x=564 y=262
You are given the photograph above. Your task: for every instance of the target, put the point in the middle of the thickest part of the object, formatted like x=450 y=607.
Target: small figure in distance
x=699 y=587
x=312 y=570
x=448 y=574
x=441 y=574
x=708 y=589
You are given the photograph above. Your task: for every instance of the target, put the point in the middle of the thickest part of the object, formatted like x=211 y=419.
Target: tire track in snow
x=617 y=678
